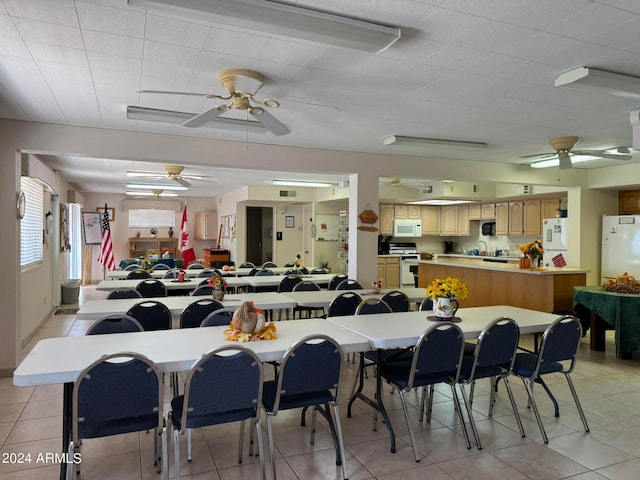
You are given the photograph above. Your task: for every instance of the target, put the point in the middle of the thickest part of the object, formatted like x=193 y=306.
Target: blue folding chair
x=123 y=293
x=151 y=315
x=397 y=300
x=222 y=316
x=151 y=288
x=114 y=324
x=193 y=315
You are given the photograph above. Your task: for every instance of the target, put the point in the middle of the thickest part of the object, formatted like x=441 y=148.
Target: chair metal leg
x=528 y=384
x=345 y=472
x=456 y=405
x=556 y=409
x=165 y=454
x=73 y=467
x=423 y=403
x=470 y=415
x=271 y=450
x=430 y=402
x=313 y=425
x=513 y=405
x=156 y=458
x=492 y=395
x=189 y=445
x=403 y=401
x=176 y=453
x=241 y=441
x=578 y=406
x=263 y=473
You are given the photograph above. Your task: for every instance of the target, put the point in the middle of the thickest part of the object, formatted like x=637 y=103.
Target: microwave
x=407 y=228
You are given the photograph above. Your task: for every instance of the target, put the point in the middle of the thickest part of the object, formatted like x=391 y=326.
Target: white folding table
x=189 y=284
x=322 y=298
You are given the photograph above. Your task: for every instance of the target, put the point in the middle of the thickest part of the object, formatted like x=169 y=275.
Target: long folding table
x=189 y=284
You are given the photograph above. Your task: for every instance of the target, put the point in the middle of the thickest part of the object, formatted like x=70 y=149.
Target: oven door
x=406 y=275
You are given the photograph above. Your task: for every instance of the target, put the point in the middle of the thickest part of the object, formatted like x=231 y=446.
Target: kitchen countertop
x=466 y=261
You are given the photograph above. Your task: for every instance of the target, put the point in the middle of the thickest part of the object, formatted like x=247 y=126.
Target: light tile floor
x=609 y=389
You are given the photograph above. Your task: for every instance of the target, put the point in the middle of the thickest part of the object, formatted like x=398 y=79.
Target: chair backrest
x=138 y=273
x=264 y=272
x=269 y=265
x=437 y=356
x=306 y=286
x=123 y=293
x=224 y=385
x=133 y=266
x=426 y=304
x=114 y=324
x=247 y=265
x=193 y=315
x=160 y=266
x=118 y=393
x=560 y=343
x=151 y=287
x=496 y=348
x=195 y=266
x=201 y=290
x=289 y=264
x=222 y=316
x=172 y=274
x=208 y=273
x=288 y=283
x=349 y=284
x=344 y=304
x=253 y=271
x=313 y=364
x=151 y=315
x=336 y=279
x=397 y=300
x=319 y=271
x=372 y=305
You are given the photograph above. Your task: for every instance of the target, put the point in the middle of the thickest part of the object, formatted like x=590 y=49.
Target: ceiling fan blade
x=168 y=92
x=565 y=160
x=202 y=118
x=541 y=155
x=271 y=123
x=182 y=181
x=600 y=153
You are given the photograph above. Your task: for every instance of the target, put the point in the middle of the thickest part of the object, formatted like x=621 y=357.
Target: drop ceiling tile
x=177 y=32
x=402 y=13
x=339 y=59
x=3 y=10
x=538 y=46
x=588 y=22
x=14 y=47
x=7 y=29
x=61 y=12
x=35 y=31
x=58 y=72
x=412 y=48
x=628 y=5
x=492 y=36
x=232 y=42
x=173 y=54
x=210 y=63
x=538 y=14
x=115 y=62
x=111 y=20
x=444 y=25
x=352 y=8
x=622 y=37
x=56 y=53
x=120 y=93
x=289 y=52
x=164 y=76
x=128 y=80
x=456 y=57
x=112 y=44
x=583 y=54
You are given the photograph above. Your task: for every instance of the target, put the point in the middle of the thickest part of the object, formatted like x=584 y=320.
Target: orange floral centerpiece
x=248 y=325
x=218 y=282
x=532 y=249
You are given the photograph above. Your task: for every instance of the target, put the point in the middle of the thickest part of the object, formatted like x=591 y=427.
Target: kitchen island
x=495 y=283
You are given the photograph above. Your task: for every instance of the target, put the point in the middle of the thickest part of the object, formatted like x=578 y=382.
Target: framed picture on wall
x=111 y=211
x=289 y=221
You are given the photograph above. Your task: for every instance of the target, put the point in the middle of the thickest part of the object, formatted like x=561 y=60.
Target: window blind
x=31 y=225
x=152 y=218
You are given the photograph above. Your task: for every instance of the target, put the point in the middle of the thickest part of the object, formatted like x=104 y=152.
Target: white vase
x=444 y=308
x=218 y=293
x=535 y=262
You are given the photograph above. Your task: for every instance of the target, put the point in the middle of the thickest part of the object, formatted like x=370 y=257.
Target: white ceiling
x=480 y=70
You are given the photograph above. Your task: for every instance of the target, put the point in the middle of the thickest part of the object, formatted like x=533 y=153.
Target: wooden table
x=60 y=360
x=609 y=309
x=398 y=330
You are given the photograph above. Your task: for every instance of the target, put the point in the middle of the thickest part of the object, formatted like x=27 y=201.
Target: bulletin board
x=91 y=227
x=327 y=227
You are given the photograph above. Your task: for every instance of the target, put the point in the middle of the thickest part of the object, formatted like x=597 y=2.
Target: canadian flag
x=188 y=255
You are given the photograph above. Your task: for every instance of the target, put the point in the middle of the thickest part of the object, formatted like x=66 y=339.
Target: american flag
x=106 y=248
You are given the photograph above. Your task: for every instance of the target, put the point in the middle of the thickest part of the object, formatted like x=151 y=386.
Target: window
x=31 y=225
x=152 y=218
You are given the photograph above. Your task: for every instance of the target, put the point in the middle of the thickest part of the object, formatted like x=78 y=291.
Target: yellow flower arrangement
x=447 y=287
x=532 y=249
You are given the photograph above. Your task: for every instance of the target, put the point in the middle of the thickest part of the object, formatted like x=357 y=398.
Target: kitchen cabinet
x=515 y=218
x=489 y=211
x=408 y=211
x=549 y=207
x=475 y=211
x=206 y=225
x=430 y=220
x=629 y=202
x=449 y=220
x=463 y=220
x=389 y=271
x=386 y=220
x=531 y=217
x=143 y=246
x=502 y=218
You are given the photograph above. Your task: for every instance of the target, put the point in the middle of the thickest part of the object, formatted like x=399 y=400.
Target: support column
x=363 y=245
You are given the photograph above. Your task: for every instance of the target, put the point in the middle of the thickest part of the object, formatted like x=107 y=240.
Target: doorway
x=260 y=234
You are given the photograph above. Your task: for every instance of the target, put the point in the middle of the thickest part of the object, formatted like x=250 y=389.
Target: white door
x=307 y=236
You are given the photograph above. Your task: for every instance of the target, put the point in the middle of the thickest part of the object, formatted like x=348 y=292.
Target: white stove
x=408 y=254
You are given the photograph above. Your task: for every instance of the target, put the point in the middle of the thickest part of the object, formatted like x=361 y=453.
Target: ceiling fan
x=564 y=151
x=172 y=172
x=241 y=86
x=396 y=182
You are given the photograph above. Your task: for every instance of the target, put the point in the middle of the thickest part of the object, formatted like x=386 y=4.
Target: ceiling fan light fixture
x=151 y=194
x=154 y=186
x=285 y=19
x=593 y=79
x=300 y=183
x=403 y=140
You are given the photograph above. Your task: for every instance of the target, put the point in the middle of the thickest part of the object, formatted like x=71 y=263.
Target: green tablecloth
x=620 y=310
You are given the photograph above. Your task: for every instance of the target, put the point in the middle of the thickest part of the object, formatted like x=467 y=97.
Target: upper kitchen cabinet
x=408 y=211
x=430 y=220
x=206 y=225
x=531 y=217
x=629 y=202
x=386 y=219
x=475 y=211
x=502 y=218
x=463 y=220
x=489 y=211
x=449 y=220
x=515 y=218
x=549 y=207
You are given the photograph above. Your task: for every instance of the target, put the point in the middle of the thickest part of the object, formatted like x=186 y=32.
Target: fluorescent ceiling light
x=554 y=162
x=300 y=183
x=592 y=79
x=154 y=186
x=284 y=19
x=440 y=202
x=177 y=118
x=151 y=194
x=400 y=140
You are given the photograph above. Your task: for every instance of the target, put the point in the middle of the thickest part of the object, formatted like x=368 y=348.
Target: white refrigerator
x=554 y=241
x=620 y=246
